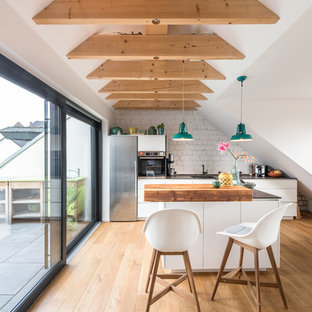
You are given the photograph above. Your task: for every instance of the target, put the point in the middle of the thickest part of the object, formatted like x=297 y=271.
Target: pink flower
x=223 y=146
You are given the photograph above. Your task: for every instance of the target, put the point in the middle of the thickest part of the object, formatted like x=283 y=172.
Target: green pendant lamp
x=182 y=135
x=241 y=135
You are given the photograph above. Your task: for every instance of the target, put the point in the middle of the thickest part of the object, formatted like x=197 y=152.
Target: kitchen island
x=283 y=187
x=215 y=213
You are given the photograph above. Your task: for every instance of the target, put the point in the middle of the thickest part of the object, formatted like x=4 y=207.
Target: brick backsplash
x=189 y=156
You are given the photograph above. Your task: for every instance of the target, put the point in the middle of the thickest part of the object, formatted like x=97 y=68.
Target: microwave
x=152 y=164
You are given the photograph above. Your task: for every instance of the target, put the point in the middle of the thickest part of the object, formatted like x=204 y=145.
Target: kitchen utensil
x=225 y=179
x=260 y=170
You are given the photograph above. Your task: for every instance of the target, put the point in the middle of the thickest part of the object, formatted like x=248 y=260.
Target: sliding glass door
x=80 y=161
x=30 y=191
x=49 y=183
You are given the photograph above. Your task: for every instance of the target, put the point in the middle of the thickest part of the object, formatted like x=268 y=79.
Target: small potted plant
x=161 y=128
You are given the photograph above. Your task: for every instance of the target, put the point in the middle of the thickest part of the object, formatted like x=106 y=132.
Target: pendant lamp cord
x=183 y=90
x=241 y=101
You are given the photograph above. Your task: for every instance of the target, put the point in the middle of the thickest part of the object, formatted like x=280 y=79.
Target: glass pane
x=79 y=199
x=2 y=212
x=2 y=194
x=30 y=231
x=26 y=210
x=25 y=194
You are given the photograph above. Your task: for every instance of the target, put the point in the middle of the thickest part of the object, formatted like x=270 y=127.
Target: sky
x=17 y=104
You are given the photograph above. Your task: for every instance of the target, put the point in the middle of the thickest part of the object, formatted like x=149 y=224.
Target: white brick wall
x=189 y=156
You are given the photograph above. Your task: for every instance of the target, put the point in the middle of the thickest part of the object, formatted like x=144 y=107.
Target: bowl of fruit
x=275 y=173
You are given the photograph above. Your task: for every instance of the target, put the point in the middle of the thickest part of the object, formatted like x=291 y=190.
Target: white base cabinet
x=146 y=208
x=284 y=188
x=218 y=216
x=207 y=254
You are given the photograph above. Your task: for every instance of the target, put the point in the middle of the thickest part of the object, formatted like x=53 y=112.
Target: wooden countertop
x=195 y=193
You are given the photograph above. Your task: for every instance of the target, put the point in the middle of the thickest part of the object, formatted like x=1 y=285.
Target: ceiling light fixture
x=182 y=135
x=241 y=135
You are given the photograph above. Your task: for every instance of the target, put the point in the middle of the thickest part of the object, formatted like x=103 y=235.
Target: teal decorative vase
x=235 y=174
x=161 y=131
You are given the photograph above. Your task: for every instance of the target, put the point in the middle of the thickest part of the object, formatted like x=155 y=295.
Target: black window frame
x=19 y=76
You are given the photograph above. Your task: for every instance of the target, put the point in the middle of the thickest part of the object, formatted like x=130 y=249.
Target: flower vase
x=235 y=174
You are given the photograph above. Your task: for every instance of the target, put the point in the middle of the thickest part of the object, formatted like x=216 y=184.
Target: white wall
x=189 y=156
x=29 y=164
x=288 y=126
x=22 y=45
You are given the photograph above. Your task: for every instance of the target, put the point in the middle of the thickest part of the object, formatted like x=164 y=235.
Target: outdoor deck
x=21 y=261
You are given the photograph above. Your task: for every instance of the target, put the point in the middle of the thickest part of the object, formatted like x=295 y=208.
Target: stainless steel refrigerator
x=123 y=178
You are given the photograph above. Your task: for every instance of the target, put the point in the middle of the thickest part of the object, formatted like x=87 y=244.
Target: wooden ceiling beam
x=156 y=29
x=149 y=47
x=158 y=108
x=155 y=104
x=155 y=70
x=145 y=12
x=155 y=96
x=156 y=86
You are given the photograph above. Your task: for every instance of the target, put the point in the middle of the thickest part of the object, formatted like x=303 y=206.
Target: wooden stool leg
x=191 y=278
x=223 y=263
x=257 y=279
x=153 y=280
x=278 y=280
x=150 y=270
x=241 y=258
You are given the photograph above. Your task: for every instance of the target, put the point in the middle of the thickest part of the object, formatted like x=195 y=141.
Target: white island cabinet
x=207 y=253
x=216 y=215
x=197 y=252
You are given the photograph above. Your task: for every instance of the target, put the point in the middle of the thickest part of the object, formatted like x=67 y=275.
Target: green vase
x=161 y=131
x=235 y=173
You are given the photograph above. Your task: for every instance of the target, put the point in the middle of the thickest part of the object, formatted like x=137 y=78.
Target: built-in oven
x=152 y=164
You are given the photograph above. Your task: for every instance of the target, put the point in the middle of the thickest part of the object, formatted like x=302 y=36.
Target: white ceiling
x=252 y=40
x=284 y=71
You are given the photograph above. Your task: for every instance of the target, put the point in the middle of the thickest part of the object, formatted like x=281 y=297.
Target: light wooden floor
x=109 y=272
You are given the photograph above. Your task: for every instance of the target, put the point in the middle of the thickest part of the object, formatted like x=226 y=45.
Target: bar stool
x=253 y=237
x=171 y=232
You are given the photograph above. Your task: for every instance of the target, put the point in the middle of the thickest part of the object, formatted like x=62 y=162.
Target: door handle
x=136 y=179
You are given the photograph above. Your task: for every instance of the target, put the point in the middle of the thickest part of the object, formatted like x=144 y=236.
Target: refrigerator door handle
x=136 y=178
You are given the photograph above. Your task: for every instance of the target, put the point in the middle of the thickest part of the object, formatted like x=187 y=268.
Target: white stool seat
x=239 y=230
x=254 y=237
x=261 y=234
x=172 y=229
